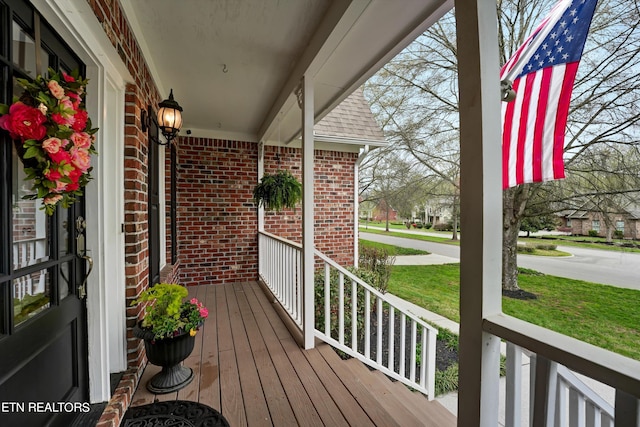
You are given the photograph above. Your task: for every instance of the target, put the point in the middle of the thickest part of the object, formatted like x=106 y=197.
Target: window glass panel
x=64 y=281
x=30 y=234
x=24 y=53
x=31 y=295
x=64 y=224
x=620 y=226
x=595 y=224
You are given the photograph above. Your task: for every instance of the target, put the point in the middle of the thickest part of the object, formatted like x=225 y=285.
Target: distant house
x=379 y=212
x=581 y=221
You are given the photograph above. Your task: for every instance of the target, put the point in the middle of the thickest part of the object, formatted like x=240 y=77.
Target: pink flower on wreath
x=24 y=122
x=204 y=312
x=51 y=145
x=68 y=78
x=80 y=158
x=52 y=200
x=75 y=100
x=55 y=89
x=81 y=140
x=60 y=186
x=194 y=301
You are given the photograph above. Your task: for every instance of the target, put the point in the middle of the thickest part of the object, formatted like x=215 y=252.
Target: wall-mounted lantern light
x=169 y=119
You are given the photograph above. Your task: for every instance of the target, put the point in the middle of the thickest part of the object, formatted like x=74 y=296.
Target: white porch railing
x=572 y=402
x=25 y=253
x=557 y=396
x=384 y=337
x=280 y=268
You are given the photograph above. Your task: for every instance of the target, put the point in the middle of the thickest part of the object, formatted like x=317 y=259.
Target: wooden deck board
x=210 y=370
x=279 y=407
x=255 y=404
x=248 y=366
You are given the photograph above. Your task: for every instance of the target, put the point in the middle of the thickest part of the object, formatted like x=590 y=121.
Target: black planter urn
x=169 y=354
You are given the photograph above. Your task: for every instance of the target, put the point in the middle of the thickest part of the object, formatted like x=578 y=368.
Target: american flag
x=543 y=71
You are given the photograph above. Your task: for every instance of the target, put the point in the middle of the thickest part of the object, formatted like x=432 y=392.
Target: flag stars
x=563 y=24
x=554 y=35
x=573 y=12
x=565 y=56
x=575 y=20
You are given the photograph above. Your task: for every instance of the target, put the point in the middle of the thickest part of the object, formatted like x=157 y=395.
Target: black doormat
x=175 y=413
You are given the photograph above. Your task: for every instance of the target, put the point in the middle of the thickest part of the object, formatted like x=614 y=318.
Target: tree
x=415 y=98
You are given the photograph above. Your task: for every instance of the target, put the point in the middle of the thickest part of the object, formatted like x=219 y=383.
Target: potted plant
x=278 y=191
x=168 y=328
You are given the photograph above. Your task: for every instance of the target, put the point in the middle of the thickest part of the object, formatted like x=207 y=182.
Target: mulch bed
x=519 y=294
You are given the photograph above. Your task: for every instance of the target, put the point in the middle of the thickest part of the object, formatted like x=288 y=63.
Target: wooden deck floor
x=248 y=366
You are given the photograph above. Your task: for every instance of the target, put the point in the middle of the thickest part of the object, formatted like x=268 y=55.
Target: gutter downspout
x=356 y=190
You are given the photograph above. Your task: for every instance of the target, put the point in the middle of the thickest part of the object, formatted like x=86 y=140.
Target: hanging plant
x=53 y=136
x=278 y=191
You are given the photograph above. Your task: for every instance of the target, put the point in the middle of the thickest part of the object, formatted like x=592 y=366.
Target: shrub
x=428 y=225
x=543 y=247
x=618 y=234
x=420 y=225
x=443 y=226
x=408 y=225
x=525 y=249
x=379 y=263
x=593 y=233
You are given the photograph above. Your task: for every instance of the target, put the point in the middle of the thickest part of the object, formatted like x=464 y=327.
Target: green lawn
x=602 y=315
x=392 y=250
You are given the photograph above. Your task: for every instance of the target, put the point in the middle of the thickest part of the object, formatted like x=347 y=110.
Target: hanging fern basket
x=278 y=191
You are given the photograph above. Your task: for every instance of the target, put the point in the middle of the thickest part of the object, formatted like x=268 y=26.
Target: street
x=616 y=268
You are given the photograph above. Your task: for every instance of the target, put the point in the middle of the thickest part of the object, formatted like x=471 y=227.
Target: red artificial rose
x=61 y=156
x=24 y=122
x=75 y=175
x=80 y=123
x=53 y=175
x=57 y=117
x=68 y=78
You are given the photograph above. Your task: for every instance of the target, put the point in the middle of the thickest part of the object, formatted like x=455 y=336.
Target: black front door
x=43 y=319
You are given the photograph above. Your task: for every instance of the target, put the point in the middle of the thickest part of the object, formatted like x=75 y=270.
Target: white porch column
x=356 y=200
x=307 y=211
x=481 y=209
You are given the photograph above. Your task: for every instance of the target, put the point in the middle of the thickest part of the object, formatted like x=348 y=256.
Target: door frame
x=77 y=24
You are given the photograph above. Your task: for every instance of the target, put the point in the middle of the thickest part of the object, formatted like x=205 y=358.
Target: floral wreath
x=51 y=122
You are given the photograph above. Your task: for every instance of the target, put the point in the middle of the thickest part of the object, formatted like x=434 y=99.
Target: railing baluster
x=577 y=408
x=341 y=308
x=379 y=332
x=561 y=391
x=354 y=315
x=392 y=350
x=367 y=324
x=412 y=367
x=513 y=410
x=327 y=302
x=403 y=343
x=424 y=355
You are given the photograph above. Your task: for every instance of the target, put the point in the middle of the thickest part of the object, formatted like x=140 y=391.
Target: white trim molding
x=76 y=23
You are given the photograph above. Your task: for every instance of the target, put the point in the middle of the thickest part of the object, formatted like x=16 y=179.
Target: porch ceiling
x=234 y=65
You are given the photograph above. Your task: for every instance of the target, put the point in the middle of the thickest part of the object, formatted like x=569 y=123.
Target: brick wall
x=334 y=201
x=217 y=220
